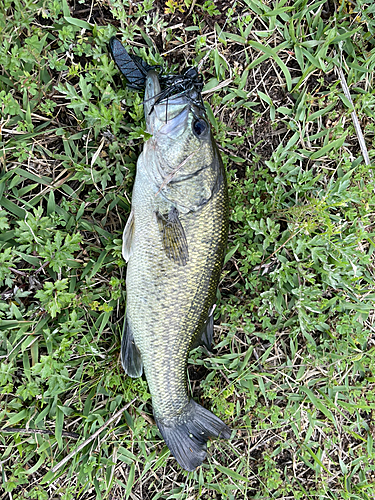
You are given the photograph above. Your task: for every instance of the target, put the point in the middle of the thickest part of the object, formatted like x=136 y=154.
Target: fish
x=174 y=243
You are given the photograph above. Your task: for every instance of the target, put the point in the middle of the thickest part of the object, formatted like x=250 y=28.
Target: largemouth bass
x=174 y=242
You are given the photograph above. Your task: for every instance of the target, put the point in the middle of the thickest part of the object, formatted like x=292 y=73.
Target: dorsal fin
x=207 y=332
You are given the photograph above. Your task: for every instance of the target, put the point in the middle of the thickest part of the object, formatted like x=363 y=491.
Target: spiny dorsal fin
x=127 y=237
x=173 y=236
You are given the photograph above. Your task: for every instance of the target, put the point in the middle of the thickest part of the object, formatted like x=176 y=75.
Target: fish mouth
x=174 y=126
x=151 y=91
x=169 y=116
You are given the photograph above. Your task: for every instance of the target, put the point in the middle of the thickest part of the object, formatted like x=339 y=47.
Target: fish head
x=172 y=116
x=181 y=147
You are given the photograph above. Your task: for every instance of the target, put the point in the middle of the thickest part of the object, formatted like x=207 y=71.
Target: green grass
x=293 y=370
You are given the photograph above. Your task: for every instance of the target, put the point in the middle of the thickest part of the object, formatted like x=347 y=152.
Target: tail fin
x=186 y=435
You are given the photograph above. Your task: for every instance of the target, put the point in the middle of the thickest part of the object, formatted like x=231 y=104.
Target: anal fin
x=130 y=356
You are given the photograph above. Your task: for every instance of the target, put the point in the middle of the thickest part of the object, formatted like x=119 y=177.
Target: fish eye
x=199 y=127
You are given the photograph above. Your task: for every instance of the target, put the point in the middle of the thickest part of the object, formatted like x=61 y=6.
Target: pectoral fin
x=127 y=237
x=173 y=237
x=130 y=356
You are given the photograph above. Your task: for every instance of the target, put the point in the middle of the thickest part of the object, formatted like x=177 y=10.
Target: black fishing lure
x=190 y=83
x=135 y=69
